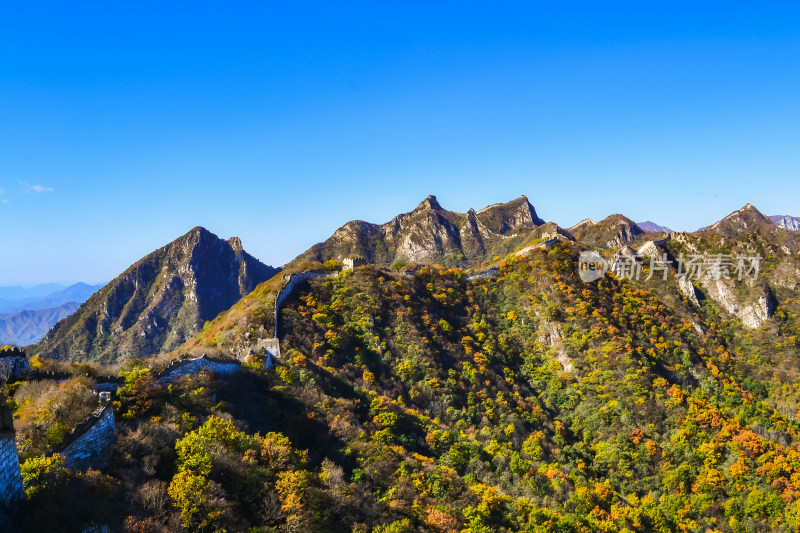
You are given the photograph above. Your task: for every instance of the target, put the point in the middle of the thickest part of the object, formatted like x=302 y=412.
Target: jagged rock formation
x=159 y=302
x=785 y=221
x=430 y=234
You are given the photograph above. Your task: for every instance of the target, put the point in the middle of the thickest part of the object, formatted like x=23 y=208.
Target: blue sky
x=125 y=124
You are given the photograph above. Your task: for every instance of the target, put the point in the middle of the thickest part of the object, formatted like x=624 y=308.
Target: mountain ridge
x=159 y=301
x=429 y=233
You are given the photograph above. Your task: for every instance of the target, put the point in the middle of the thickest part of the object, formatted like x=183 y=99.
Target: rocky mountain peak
x=614 y=231
x=429 y=204
x=160 y=301
x=431 y=233
x=501 y=218
x=198 y=232
x=742 y=220
x=236 y=244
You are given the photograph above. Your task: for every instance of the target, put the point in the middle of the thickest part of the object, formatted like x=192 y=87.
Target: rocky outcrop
x=653 y=249
x=159 y=302
x=550 y=335
x=687 y=290
x=753 y=312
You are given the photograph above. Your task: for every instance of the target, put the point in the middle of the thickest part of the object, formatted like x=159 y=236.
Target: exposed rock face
x=753 y=312
x=429 y=234
x=786 y=222
x=688 y=290
x=650 y=249
x=159 y=302
x=787 y=275
x=550 y=335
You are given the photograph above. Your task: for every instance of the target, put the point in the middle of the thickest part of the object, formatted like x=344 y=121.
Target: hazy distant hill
x=17 y=292
x=652 y=226
x=29 y=326
x=15 y=299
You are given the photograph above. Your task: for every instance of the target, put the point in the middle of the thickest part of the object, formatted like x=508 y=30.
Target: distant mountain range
x=26 y=314
x=17 y=292
x=51 y=295
x=29 y=326
x=160 y=301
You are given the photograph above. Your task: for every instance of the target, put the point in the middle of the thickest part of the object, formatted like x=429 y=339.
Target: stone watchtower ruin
x=13 y=364
x=10 y=477
x=349 y=263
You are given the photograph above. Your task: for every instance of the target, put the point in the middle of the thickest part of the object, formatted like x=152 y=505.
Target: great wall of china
x=90 y=443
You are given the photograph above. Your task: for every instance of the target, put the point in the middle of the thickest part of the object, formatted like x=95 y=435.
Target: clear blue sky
x=124 y=124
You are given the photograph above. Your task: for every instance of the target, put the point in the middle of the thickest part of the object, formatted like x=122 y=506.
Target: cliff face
x=429 y=234
x=159 y=302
